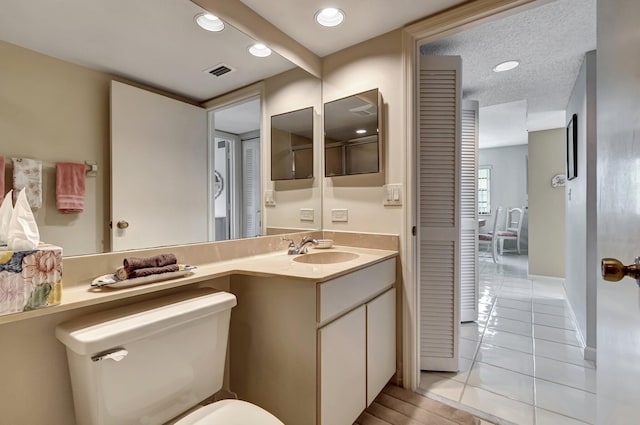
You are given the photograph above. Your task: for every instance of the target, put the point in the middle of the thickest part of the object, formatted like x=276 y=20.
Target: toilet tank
x=148 y=362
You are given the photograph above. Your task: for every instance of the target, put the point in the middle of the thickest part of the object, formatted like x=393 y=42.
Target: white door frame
x=427 y=30
x=238 y=96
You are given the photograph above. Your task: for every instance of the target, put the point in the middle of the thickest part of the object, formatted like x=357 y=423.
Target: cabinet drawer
x=340 y=295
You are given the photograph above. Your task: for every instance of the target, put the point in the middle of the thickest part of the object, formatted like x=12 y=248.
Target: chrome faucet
x=302 y=247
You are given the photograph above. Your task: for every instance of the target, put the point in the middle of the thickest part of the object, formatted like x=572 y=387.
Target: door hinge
x=414 y=231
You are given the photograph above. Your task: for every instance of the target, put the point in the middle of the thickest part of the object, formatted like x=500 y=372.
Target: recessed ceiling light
x=329 y=17
x=209 y=22
x=361 y=131
x=260 y=50
x=506 y=66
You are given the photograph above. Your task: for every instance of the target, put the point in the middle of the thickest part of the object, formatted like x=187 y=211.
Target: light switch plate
x=340 y=215
x=392 y=194
x=269 y=198
x=306 y=214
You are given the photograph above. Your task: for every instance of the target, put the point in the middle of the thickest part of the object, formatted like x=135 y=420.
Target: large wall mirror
x=352 y=142
x=63 y=114
x=292 y=145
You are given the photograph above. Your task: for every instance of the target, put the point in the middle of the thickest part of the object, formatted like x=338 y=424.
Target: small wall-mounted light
x=361 y=131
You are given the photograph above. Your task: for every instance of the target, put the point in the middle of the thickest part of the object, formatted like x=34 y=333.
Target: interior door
x=618 y=158
x=221 y=189
x=251 y=188
x=469 y=213
x=439 y=106
x=151 y=134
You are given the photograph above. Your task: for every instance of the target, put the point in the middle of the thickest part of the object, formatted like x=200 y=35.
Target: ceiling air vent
x=219 y=70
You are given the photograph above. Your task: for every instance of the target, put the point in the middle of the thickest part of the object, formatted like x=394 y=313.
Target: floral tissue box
x=30 y=279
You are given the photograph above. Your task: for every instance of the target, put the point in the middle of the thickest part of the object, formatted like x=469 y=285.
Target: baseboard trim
x=546 y=278
x=581 y=338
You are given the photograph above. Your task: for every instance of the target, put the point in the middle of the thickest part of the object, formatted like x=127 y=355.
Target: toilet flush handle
x=115 y=354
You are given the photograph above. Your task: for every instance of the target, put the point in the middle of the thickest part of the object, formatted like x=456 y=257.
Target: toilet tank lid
x=93 y=333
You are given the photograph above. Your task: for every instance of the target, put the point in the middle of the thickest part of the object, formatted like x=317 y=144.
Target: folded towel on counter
x=70 y=187
x=2 y=174
x=160 y=260
x=123 y=274
x=27 y=174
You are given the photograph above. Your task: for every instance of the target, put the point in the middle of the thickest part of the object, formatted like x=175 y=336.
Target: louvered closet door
x=469 y=214
x=251 y=189
x=439 y=107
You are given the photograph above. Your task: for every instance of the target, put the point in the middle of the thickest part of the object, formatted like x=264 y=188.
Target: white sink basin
x=329 y=257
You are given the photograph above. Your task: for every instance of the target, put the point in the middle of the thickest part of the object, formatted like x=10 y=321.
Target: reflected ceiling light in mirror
x=209 y=22
x=260 y=50
x=329 y=17
x=506 y=66
x=361 y=131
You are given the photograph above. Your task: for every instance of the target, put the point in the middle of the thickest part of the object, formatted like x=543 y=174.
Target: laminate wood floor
x=398 y=406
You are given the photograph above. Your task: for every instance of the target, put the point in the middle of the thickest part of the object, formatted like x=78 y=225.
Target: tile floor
x=522 y=360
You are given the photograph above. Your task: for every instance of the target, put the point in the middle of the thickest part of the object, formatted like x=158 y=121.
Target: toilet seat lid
x=230 y=412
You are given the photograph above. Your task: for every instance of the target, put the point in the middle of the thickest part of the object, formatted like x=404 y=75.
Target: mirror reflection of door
x=234 y=174
x=220 y=186
x=251 y=219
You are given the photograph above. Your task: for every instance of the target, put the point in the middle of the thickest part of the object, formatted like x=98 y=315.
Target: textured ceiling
x=549 y=41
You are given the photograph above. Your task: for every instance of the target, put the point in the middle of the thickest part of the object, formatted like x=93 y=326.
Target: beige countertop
x=272 y=264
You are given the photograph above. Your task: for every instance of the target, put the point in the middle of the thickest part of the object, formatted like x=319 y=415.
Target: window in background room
x=484 y=195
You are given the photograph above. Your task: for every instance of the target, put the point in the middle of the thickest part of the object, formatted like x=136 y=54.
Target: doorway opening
x=525 y=352
x=234 y=170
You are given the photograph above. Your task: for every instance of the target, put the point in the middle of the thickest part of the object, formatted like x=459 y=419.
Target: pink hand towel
x=70 y=186
x=2 y=174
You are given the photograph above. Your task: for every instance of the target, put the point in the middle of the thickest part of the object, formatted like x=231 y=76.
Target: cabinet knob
x=122 y=224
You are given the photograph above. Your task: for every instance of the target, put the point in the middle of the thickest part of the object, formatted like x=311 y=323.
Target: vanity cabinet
x=336 y=340
x=357 y=359
x=357 y=349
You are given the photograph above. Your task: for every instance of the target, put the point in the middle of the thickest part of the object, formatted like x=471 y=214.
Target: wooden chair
x=513 y=229
x=488 y=239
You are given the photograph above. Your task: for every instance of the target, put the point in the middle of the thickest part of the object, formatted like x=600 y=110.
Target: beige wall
x=286 y=92
x=546 y=203
x=376 y=63
x=56 y=111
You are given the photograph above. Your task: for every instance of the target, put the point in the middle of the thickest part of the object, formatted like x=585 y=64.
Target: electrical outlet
x=269 y=198
x=392 y=194
x=306 y=214
x=340 y=215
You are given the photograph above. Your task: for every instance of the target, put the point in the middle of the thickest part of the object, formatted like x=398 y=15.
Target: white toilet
x=150 y=362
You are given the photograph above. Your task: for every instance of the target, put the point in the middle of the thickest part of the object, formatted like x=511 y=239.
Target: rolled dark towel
x=160 y=260
x=148 y=271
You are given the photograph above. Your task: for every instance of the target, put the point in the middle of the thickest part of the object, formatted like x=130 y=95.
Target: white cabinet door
x=381 y=343
x=343 y=369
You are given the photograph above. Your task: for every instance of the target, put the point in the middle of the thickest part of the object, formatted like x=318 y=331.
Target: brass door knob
x=122 y=224
x=613 y=270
